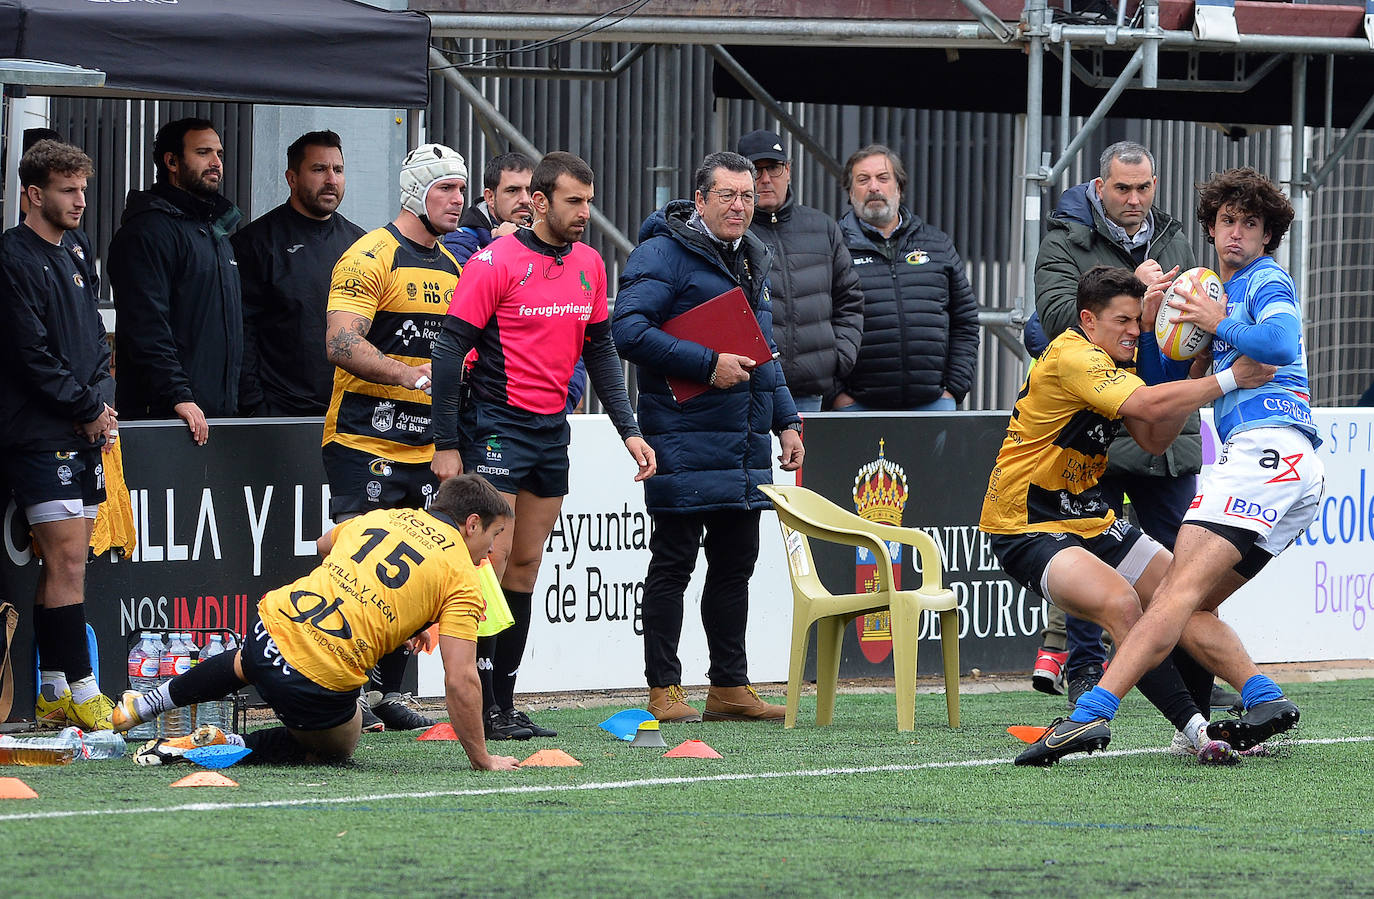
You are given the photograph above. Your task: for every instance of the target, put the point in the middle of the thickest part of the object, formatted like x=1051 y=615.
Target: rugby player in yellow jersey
x=386 y=576
x=1051 y=527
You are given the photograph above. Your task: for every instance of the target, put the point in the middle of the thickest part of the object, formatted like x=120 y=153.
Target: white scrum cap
x=423 y=167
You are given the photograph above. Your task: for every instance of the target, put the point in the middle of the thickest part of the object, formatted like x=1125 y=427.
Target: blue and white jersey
x=1262 y=294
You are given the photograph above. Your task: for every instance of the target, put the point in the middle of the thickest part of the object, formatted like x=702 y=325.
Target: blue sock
x=1096 y=703
x=1259 y=689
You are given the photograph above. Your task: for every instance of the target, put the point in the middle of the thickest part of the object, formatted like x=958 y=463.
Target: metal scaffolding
x=1035 y=34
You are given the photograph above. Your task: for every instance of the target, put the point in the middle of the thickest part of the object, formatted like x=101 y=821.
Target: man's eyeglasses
x=728 y=197
x=771 y=169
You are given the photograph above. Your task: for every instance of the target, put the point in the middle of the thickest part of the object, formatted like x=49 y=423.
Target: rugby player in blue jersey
x=1264 y=489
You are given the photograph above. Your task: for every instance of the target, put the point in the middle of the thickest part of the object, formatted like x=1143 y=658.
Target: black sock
x=273 y=746
x=510 y=648
x=61 y=637
x=212 y=679
x=1163 y=686
x=486 y=648
x=390 y=671
x=1197 y=679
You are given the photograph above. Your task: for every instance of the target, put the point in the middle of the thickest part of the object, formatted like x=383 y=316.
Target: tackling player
x=1051 y=526
x=55 y=415
x=1266 y=485
x=386 y=576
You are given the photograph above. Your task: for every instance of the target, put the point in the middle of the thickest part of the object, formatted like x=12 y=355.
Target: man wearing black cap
x=818 y=308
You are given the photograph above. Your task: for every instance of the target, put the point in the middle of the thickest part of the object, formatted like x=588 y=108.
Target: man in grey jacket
x=1111 y=220
x=818 y=308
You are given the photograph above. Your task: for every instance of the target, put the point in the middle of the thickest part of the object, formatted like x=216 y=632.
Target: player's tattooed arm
x=347 y=346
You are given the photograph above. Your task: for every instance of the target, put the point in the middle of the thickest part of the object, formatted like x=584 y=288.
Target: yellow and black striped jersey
x=1046 y=474
x=404 y=290
x=390 y=574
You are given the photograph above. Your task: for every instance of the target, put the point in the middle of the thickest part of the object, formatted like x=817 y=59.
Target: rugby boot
x=167 y=750
x=53 y=712
x=1217 y=752
x=523 y=720
x=1063 y=737
x=91 y=715
x=669 y=705
x=501 y=725
x=1256 y=724
x=397 y=711
x=371 y=724
x=739 y=704
x=125 y=716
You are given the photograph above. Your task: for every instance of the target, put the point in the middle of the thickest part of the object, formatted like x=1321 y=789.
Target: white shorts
x=1266 y=480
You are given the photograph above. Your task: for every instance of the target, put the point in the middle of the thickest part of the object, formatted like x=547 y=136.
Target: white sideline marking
x=595 y=785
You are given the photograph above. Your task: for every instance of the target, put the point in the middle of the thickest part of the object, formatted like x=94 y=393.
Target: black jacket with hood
x=179 y=324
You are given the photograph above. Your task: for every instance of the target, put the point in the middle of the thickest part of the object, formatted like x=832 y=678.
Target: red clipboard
x=725 y=324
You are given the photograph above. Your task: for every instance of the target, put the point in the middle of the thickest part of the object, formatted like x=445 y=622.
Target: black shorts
x=1026 y=557
x=360 y=482
x=299 y=702
x=41 y=476
x=516 y=450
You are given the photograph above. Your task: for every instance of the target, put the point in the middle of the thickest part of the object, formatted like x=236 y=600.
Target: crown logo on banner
x=880 y=490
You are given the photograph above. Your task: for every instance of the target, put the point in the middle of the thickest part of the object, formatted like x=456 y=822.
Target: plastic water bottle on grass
x=35 y=752
x=101 y=744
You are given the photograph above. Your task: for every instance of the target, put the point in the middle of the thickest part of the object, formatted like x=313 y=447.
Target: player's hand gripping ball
x=1184 y=340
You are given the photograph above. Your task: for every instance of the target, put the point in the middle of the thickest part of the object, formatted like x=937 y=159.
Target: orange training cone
x=691 y=749
x=14 y=788
x=1025 y=733
x=550 y=758
x=205 y=779
x=441 y=731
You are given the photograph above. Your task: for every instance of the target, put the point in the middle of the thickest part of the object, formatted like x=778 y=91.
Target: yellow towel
x=114 y=524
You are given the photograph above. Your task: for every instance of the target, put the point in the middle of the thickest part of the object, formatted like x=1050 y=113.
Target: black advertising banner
x=927 y=471
x=218 y=526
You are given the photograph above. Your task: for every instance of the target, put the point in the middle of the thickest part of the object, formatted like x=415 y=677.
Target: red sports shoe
x=1048 y=675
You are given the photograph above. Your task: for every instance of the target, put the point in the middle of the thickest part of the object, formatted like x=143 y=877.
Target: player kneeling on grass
x=1050 y=525
x=386 y=576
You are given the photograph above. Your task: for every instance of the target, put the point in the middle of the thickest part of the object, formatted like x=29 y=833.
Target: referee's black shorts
x=516 y=450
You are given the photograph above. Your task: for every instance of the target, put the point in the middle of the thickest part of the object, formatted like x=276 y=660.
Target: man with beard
x=505 y=206
x=286 y=258
x=920 y=338
x=531 y=303
x=179 y=343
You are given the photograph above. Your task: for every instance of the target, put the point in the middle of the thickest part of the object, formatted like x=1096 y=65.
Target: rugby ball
x=1184 y=340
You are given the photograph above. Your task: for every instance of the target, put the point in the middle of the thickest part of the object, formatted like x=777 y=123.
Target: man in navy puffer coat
x=713 y=450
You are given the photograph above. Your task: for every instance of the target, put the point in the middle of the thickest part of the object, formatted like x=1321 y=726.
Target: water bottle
x=212 y=712
x=101 y=744
x=62 y=749
x=176 y=659
x=143 y=663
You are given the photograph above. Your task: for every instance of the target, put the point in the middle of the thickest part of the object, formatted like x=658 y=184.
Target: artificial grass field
x=1142 y=822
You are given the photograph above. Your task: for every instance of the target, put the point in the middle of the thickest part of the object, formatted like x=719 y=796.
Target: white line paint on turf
x=573 y=788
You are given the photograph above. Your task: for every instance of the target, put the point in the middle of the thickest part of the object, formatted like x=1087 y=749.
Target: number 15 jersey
x=390 y=574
